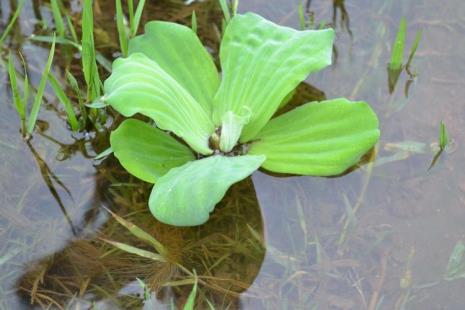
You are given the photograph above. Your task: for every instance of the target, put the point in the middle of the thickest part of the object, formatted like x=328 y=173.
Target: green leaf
x=19 y=104
x=139 y=85
x=186 y=195
x=136 y=251
x=58 y=19
x=179 y=52
x=40 y=90
x=231 y=128
x=65 y=101
x=122 y=29
x=322 y=139
x=88 y=53
x=104 y=154
x=262 y=63
x=190 y=303
x=414 y=48
x=137 y=17
x=456 y=265
x=225 y=8
x=140 y=233
x=194 y=22
x=443 y=136
x=147 y=152
x=6 y=32
x=397 y=53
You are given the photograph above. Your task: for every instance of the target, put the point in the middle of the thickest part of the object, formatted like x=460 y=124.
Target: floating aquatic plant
x=226 y=121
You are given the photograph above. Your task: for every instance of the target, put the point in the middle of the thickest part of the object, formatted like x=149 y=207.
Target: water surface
x=277 y=243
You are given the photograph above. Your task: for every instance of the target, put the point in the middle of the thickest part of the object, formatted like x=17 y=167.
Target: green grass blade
x=443 y=136
x=131 y=15
x=190 y=303
x=72 y=30
x=104 y=154
x=302 y=22
x=137 y=17
x=19 y=104
x=397 y=54
x=40 y=91
x=75 y=87
x=89 y=64
x=225 y=9
x=25 y=92
x=456 y=265
x=58 y=19
x=59 y=92
x=235 y=5
x=104 y=62
x=123 y=38
x=12 y=22
x=133 y=250
x=414 y=48
x=140 y=234
x=194 y=22
x=49 y=39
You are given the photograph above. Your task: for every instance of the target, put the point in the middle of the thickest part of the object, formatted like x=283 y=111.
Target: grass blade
x=12 y=22
x=190 y=303
x=104 y=154
x=235 y=5
x=123 y=38
x=456 y=265
x=89 y=64
x=225 y=9
x=58 y=19
x=131 y=15
x=137 y=17
x=443 y=142
x=49 y=39
x=414 y=48
x=303 y=24
x=40 y=91
x=75 y=87
x=397 y=54
x=140 y=234
x=72 y=30
x=133 y=250
x=20 y=105
x=59 y=92
x=194 y=22
x=443 y=136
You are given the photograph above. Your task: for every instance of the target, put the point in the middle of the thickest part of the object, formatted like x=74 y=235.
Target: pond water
x=378 y=237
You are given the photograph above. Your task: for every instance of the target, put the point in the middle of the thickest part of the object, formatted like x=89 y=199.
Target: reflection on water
x=378 y=237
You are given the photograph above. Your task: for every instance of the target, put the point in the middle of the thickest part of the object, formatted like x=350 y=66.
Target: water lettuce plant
x=210 y=131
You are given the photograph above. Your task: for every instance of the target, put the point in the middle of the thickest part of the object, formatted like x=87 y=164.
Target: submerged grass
x=12 y=22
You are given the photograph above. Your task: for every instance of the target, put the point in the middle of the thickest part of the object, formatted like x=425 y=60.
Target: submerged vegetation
x=74 y=228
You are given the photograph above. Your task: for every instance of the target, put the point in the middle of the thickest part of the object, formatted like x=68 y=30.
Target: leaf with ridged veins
x=139 y=85
x=186 y=195
x=147 y=152
x=178 y=51
x=319 y=138
x=262 y=63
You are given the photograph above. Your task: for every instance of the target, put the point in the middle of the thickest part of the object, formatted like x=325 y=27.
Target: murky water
x=277 y=243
